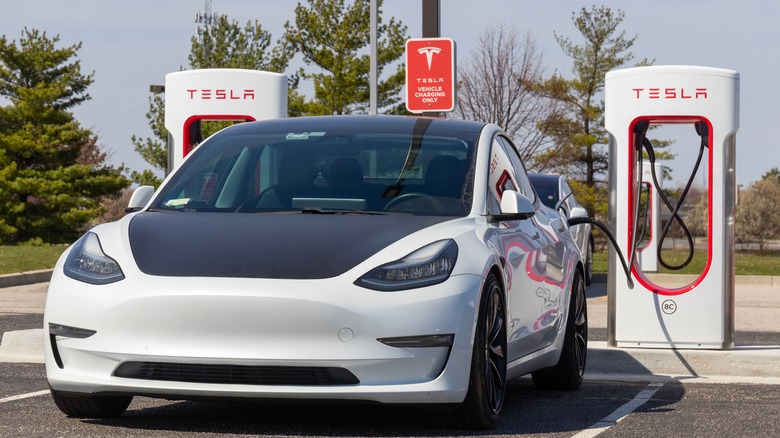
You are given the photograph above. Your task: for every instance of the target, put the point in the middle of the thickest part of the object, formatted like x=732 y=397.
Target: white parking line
x=621 y=412
x=23 y=396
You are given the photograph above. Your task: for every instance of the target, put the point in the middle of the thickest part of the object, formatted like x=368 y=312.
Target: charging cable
x=703 y=132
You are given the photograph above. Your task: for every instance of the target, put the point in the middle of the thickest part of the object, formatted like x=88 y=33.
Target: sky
x=130 y=45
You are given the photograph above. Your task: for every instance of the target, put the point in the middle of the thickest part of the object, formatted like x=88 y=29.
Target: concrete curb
x=22 y=346
x=24 y=278
x=747 y=361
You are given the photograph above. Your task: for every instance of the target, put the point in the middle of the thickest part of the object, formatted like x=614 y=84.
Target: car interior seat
x=297 y=171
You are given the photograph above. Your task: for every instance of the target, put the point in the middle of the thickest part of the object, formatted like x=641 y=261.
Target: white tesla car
x=363 y=258
x=555 y=192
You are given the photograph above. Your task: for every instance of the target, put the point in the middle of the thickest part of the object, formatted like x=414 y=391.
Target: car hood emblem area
x=266 y=245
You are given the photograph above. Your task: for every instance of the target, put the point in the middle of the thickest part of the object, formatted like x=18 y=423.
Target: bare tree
x=495 y=86
x=758 y=213
x=695 y=211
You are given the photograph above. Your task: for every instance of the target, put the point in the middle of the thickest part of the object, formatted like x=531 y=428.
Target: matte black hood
x=263 y=245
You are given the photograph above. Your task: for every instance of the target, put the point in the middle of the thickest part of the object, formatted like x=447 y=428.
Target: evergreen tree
x=52 y=173
x=773 y=173
x=223 y=44
x=335 y=38
x=581 y=151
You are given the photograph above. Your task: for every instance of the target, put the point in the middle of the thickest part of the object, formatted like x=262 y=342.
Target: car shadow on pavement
x=527 y=410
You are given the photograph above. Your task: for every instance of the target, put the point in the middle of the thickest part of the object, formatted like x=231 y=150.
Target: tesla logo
x=429 y=52
x=670 y=93
x=221 y=94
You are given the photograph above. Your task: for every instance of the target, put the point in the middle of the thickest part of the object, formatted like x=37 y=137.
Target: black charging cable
x=641 y=142
x=703 y=131
x=589 y=220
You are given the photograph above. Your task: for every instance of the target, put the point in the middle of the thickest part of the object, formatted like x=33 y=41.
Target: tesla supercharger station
x=699 y=314
x=648 y=249
x=193 y=96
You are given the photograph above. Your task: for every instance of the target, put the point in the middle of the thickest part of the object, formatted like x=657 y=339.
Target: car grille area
x=236 y=374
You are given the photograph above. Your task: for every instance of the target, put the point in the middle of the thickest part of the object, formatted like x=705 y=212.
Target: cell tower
x=204 y=21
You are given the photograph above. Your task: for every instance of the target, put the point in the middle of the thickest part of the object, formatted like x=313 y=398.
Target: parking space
x=603 y=408
x=613 y=404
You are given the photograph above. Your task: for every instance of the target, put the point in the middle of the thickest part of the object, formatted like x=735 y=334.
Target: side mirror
x=578 y=212
x=515 y=206
x=141 y=196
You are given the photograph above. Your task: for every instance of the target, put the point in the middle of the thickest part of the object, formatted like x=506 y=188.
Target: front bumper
x=248 y=324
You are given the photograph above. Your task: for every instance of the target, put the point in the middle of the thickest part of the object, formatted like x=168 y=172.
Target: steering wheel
x=415 y=202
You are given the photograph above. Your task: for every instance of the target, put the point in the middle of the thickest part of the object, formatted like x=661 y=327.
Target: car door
x=533 y=254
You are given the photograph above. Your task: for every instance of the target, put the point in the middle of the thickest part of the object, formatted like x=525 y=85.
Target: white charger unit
x=697 y=313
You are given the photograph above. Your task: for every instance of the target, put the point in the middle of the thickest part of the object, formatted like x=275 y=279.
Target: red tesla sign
x=430 y=74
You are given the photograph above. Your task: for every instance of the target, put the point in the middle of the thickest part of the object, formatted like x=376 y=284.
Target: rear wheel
x=89 y=405
x=487 y=382
x=568 y=372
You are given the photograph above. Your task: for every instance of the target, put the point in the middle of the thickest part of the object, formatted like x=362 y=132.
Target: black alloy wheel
x=570 y=369
x=487 y=383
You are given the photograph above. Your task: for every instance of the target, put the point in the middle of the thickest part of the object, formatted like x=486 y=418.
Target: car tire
x=568 y=372
x=91 y=406
x=487 y=380
x=589 y=263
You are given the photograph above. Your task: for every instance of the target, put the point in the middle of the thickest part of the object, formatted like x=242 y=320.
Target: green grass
x=745 y=262
x=32 y=258
x=28 y=258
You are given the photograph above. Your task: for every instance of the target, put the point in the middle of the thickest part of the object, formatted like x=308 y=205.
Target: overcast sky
x=132 y=44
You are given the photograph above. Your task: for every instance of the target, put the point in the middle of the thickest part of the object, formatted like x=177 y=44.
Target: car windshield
x=318 y=166
x=546 y=187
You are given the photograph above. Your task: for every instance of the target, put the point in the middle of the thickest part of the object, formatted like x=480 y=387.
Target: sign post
x=430 y=75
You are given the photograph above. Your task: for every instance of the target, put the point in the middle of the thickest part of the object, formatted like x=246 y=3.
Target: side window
x=565 y=193
x=520 y=174
x=500 y=177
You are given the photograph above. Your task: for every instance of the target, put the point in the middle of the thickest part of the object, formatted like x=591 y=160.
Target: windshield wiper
x=318 y=210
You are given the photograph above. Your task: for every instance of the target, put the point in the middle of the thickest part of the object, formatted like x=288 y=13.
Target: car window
x=569 y=198
x=521 y=175
x=317 y=169
x=546 y=188
x=506 y=172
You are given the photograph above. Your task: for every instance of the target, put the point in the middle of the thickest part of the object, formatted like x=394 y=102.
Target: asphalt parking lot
x=628 y=392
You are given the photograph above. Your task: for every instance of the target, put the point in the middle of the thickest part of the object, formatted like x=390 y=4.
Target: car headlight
x=88 y=263
x=428 y=265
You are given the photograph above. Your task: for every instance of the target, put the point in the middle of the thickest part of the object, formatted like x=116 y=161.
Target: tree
x=773 y=173
x=758 y=212
x=153 y=150
x=52 y=171
x=579 y=131
x=497 y=85
x=697 y=214
x=224 y=44
x=332 y=36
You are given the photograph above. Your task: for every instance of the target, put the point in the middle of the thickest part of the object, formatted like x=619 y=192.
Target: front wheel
x=568 y=372
x=89 y=405
x=487 y=381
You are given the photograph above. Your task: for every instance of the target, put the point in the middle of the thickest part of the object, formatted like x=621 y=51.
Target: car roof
x=545 y=176
x=545 y=179
x=365 y=123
